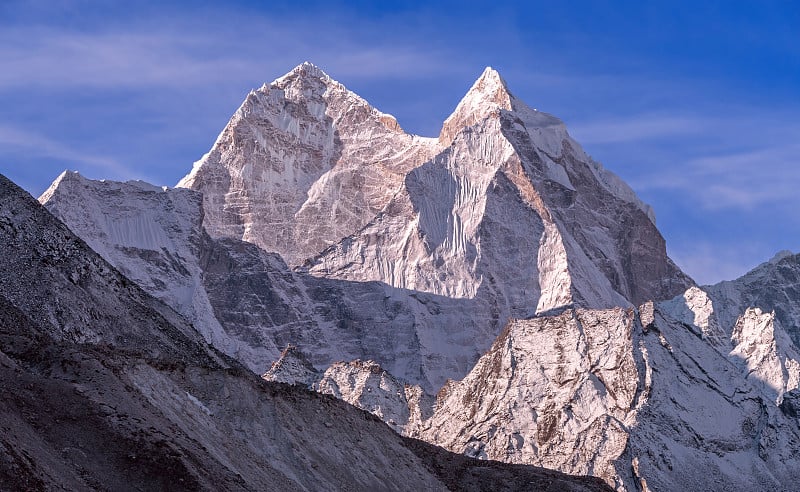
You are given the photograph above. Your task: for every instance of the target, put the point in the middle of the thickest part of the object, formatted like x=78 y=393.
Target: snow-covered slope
x=756 y=321
x=302 y=164
x=153 y=235
x=250 y=305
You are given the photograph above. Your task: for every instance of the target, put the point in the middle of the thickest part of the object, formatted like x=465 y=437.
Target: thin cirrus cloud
x=724 y=161
x=104 y=60
x=140 y=57
x=637 y=128
x=15 y=142
x=764 y=177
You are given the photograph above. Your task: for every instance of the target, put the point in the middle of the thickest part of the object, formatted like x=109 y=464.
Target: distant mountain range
x=493 y=291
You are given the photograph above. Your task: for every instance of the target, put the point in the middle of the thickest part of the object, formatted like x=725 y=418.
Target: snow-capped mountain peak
x=487 y=96
x=306 y=69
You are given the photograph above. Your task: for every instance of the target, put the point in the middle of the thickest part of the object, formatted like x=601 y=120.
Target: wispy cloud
x=14 y=142
x=53 y=59
x=638 y=128
x=743 y=180
x=718 y=158
x=196 y=52
x=710 y=263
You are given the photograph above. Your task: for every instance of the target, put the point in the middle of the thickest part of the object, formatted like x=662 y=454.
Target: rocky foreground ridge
x=497 y=267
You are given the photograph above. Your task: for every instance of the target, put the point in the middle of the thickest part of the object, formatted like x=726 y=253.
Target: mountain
x=496 y=266
x=432 y=244
x=309 y=170
x=772 y=286
x=303 y=154
x=106 y=387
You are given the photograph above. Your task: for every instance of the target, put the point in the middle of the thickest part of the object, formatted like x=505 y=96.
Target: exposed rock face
x=302 y=164
x=557 y=390
x=631 y=398
x=292 y=368
x=106 y=387
x=364 y=384
x=790 y=405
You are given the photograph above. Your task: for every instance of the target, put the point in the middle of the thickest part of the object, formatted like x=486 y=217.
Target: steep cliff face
x=560 y=390
x=302 y=164
x=152 y=235
x=250 y=304
x=513 y=211
x=106 y=387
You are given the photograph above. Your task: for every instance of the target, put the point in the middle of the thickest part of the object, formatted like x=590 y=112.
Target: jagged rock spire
x=486 y=96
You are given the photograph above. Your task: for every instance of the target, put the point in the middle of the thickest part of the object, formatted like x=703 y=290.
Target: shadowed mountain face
x=105 y=387
x=250 y=304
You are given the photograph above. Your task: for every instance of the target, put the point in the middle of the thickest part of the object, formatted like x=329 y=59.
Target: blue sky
x=695 y=104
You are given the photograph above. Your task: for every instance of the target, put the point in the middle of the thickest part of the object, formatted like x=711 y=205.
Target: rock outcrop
x=633 y=396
